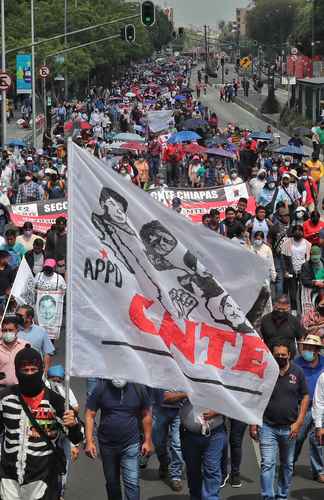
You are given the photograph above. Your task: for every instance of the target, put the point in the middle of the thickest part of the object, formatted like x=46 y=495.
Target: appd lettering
x=104 y=270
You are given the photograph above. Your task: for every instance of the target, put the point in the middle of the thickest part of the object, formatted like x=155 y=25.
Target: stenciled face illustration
x=161 y=242
x=114 y=210
x=233 y=313
x=47 y=309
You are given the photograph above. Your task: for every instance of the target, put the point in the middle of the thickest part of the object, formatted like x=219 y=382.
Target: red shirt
x=34 y=402
x=311 y=231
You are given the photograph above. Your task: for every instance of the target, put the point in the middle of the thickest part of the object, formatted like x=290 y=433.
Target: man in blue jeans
x=282 y=421
x=203 y=437
x=312 y=364
x=123 y=406
x=166 y=427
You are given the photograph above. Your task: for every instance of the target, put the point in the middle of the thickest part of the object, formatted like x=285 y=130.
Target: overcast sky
x=199 y=12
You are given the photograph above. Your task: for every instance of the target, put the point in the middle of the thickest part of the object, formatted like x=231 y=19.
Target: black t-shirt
x=120 y=411
x=7 y=276
x=287 y=329
x=283 y=407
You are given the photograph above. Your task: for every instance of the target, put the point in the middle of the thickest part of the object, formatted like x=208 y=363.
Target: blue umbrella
x=184 y=136
x=180 y=98
x=290 y=150
x=261 y=136
x=220 y=152
x=17 y=142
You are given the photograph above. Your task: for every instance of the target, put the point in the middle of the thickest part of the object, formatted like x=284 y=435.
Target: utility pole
x=33 y=72
x=3 y=93
x=206 y=49
x=66 y=83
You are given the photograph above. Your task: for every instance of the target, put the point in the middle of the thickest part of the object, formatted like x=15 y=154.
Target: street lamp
x=313 y=2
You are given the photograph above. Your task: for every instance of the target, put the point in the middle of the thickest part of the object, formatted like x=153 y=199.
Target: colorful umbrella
x=290 y=151
x=194 y=149
x=220 y=152
x=184 y=136
x=127 y=137
x=135 y=146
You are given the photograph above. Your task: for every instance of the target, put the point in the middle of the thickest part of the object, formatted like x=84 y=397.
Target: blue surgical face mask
x=308 y=356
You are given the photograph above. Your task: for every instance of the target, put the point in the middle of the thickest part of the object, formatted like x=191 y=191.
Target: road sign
x=294 y=51
x=245 y=63
x=44 y=71
x=5 y=81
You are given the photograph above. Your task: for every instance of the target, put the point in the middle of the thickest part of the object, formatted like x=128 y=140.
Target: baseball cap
x=50 y=263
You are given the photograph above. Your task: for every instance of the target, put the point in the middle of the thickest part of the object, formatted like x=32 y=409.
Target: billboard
x=24 y=73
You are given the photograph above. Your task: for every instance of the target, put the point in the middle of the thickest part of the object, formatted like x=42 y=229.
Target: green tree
x=99 y=61
x=272 y=23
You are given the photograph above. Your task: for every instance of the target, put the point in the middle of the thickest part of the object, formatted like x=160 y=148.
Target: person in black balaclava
x=29 y=371
x=33 y=419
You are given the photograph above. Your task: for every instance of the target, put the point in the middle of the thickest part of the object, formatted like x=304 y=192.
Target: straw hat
x=312 y=340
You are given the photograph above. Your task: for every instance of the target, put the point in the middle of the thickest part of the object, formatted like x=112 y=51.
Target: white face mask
x=119 y=383
x=9 y=337
x=271 y=185
x=258 y=243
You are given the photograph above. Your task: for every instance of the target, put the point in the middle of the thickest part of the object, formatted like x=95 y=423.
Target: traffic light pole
x=3 y=93
x=34 y=134
x=69 y=49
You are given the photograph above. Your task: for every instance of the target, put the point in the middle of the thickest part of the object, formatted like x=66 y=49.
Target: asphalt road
x=87 y=481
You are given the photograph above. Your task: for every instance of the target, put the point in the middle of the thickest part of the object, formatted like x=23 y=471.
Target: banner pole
x=5 y=310
x=68 y=323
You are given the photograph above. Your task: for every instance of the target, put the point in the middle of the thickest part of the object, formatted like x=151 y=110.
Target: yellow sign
x=245 y=63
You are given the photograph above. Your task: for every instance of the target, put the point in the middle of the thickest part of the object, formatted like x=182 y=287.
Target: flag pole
x=5 y=310
x=68 y=323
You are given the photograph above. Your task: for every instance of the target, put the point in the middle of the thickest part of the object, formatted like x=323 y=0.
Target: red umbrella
x=194 y=148
x=136 y=146
x=85 y=126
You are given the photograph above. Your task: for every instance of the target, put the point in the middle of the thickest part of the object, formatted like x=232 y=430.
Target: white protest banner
x=160 y=301
x=23 y=288
x=159 y=120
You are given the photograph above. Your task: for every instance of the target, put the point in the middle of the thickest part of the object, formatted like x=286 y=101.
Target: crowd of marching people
x=283 y=226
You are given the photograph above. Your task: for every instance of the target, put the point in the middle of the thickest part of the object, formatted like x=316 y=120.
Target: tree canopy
x=101 y=60
x=280 y=23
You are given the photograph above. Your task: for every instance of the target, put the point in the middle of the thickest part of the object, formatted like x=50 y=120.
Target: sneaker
x=224 y=481
x=235 y=481
x=176 y=484
x=163 y=471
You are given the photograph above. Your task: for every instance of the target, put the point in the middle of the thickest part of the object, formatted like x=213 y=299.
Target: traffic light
x=128 y=33
x=148 y=13
x=238 y=61
x=222 y=61
x=181 y=32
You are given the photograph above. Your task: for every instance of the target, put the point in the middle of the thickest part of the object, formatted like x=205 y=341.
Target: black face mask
x=279 y=314
x=31 y=385
x=282 y=362
x=20 y=320
x=48 y=271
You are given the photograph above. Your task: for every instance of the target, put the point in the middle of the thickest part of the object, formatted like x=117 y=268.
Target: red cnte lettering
x=217 y=341
x=172 y=335
x=251 y=356
x=137 y=315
